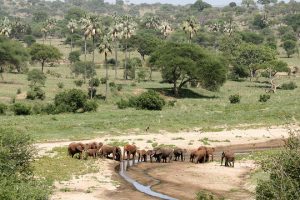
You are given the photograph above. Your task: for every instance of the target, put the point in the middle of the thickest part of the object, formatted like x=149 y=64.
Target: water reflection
x=124 y=166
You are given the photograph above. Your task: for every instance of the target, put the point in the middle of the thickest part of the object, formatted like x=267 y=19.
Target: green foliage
x=17 y=181
x=44 y=54
x=289 y=36
x=141 y=75
x=264 y=97
x=290 y=46
x=260 y=21
x=252 y=37
x=132 y=65
x=29 y=40
x=205 y=196
x=40 y=16
x=186 y=63
x=74 y=56
x=86 y=69
x=36 y=77
x=235 y=98
x=200 y=5
x=289 y=86
x=36 y=92
x=293 y=20
x=94 y=82
x=78 y=83
x=90 y=106
x=150 y=101
x=21 y=109
x=13 y=53
x=3 y=108
x=70 y=100
x=122 y=104
x=284 y=170
x=103 y=80
x=60 y=85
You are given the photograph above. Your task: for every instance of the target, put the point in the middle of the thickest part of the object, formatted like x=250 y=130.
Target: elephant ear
x=158 y=152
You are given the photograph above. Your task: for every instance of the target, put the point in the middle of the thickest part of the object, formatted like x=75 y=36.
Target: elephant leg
x=212 y=157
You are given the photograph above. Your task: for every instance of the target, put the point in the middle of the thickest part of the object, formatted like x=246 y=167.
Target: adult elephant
x=74 y=148
x=93 y=145
x=209 y=152
x=106 y=150
x=151 y=154
x=163 y=153
x=198 y=155
x=179 y=154
x=229 y=158
x=142 y=155
x=129 y=150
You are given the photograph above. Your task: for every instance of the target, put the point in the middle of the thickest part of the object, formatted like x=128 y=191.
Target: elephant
x=163 y=153
x=106 y=150
x=209 y=151
x=142 y=155
x=200 y=156
x=93 y=145
x=74 y=148
x=229 y=158
x=151 y=154
x=91 y=152
x=129 y=150
x=179 y=153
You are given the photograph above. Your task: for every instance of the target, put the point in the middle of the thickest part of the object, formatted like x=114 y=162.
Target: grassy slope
x=204 y=109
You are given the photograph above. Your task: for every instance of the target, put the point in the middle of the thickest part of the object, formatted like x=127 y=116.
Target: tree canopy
x=183 y=63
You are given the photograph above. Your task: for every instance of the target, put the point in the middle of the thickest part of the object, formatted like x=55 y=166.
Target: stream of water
x=124 y=165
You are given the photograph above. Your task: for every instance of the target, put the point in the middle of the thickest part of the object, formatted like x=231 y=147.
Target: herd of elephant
x=164 y=154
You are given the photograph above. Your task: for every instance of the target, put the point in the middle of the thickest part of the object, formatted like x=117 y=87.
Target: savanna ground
x=198 y=118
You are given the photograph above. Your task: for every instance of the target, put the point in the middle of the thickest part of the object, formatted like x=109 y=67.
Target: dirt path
x=180 y=180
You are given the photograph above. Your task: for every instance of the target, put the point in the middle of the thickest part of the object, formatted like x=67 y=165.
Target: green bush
x=49 y=109
x=122 y=104
x=70 y=100
x=112 y=84
x=21 y=109
x=264 y=97
x=36 y=93
x=60 y=85
x=90 y=106
x=19 y=91
x=150 y=101
x=236 y=98
x=37 y=109
x=119 y=87
x=3 y=108
x=103 y=81
x=289 y=86
x=78 y=83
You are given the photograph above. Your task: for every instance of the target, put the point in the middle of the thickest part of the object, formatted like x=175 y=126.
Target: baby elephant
x=142 y=155
x=91 y=152
x=229 y=158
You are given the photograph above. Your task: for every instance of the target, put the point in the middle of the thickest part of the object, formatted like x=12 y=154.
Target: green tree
x=252 y=56
x=74 y=56
x=290 y=47
x=248 y=3
x=183 y=63
x=29 y=40
x=105 y=48
x=72 y=26
x=200 y=5
x=44 y=54
x=12 y=53
x=86 y=69
x=36 y=77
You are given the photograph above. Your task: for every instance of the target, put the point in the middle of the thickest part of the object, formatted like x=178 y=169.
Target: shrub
x=36 y=93
x=74 y=56
x=119 y=87
x=103 y=80
x=3 y=108
x=60 y=85
x=122 y=104
x=37 y=109
x=19 y=91
x=94 y=82
x=172 y=103
x=289 y=86
x=112 y=84
x=90 y=106
x=70 y=100
x=264 y=97
x=21 y=109
x=236 y=98
x=111 y=61
x=49 y=109
x=150 y=101
x=78 y=83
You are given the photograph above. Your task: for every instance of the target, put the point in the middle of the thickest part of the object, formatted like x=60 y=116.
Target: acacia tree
x=44 y=54
x=184 y=63
x=105 y=48
x=290 y=46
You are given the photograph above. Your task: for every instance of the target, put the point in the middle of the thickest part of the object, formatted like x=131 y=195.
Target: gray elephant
x=179 y=154
x=106 y=150
x=229 y=158
x=163 y=153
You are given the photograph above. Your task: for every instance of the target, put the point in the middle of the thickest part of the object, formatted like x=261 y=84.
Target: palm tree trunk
x=71 y=43
x=125 y=74
x=94 y=49
x=116 y=59
x=84 y=58
x=106 y=88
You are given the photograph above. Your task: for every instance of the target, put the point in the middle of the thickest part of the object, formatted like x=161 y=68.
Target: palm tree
x=50 y=25
x=128 y=29
x=5 y=27
x=87 y=29
x=95 y=22
x=72 y=25
x=44 y=31
x=151 y=22
x=115 y=34
x=165 y=29
x=105 y=48
x=190 y=27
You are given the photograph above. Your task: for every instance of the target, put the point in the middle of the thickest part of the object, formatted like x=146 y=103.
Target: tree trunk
x=175 y=89
x=43 y=63
x=71 y=43
x=94 y=49
x=125 y=74
x=116 y=59
x=150 y=76
x=106 y=88
x=84 y=58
